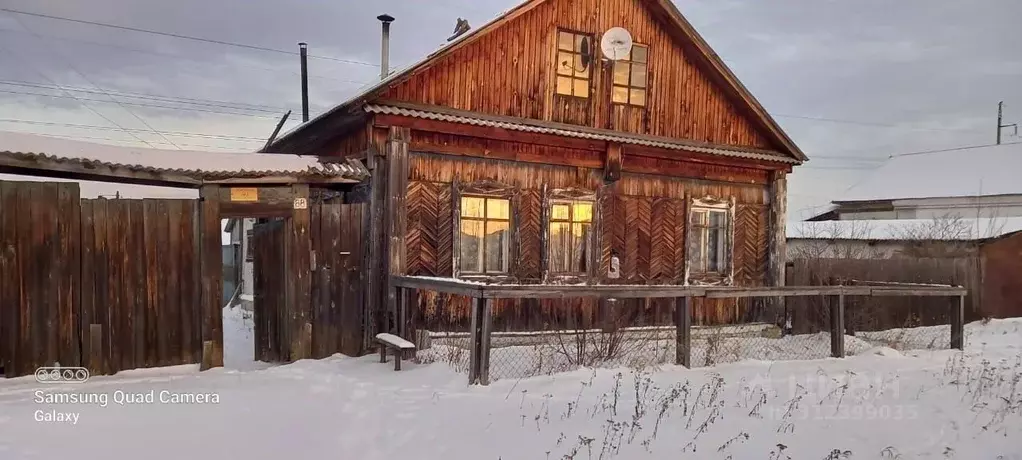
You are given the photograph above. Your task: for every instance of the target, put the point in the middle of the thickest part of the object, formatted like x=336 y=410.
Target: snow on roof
x=948 y=229
x=970 y=171
x=185 y=162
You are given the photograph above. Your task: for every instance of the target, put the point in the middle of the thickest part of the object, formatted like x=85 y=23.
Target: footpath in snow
x=879 y=404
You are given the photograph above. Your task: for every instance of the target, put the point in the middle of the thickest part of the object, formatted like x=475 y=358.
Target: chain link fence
x=534 y=337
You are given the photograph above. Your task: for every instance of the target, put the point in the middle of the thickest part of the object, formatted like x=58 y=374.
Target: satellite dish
x=616 y=43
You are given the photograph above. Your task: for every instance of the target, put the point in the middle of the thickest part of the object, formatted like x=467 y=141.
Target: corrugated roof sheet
x=952 y=229
x=193 y=164
x=964 y=172
x=525 y=126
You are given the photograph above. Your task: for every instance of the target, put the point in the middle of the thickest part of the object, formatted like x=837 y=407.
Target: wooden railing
x=483 y=296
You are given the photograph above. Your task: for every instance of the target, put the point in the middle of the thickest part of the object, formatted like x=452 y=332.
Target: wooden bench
x=395 y=343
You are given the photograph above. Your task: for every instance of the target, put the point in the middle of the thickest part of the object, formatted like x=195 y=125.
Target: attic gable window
x=630 y=77
x=573 y=63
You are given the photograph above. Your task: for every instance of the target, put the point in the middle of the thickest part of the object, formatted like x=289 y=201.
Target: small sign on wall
x=301 y=203
x=244 y=194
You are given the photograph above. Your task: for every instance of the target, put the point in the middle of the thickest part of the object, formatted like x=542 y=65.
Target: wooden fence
x=809 y=314
x=108 y=284
x=140 y=287
x=39 y=287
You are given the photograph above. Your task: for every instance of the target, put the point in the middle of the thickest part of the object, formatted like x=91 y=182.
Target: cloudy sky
x=851 y=81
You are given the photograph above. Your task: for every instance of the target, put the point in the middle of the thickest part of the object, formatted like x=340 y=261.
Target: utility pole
x=1000 y=122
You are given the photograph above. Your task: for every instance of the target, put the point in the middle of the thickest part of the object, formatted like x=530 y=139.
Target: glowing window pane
x=471 y=207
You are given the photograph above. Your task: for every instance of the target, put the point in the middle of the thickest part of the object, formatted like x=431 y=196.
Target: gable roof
x=664 y=9
x=962 y=172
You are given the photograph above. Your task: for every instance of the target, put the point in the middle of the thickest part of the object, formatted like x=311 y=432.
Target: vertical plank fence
x=38 y=290
x=137 y=277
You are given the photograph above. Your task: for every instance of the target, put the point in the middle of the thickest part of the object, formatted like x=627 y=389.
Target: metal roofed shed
x=988 y=170
x=906 y=229
x=45 y=156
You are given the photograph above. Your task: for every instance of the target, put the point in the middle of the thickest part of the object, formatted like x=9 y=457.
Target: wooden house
x=520 y=153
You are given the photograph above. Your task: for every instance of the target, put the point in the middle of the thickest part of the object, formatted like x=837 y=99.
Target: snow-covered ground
x=239 y=340
x=881 y=403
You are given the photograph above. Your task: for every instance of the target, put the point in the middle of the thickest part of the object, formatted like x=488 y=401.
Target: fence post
x=958 y=324
x=475 y=341
x=399 y=320
x=683 y=326
x=485 y=330
x=837 y=326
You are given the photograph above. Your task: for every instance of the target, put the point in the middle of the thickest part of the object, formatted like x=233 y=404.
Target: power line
x=183 y=37
x=873 y=124
x=157 y=97
x=123 y=140
x=72 y=96
x=67 y=61
x=188 y=58
x=106 y=128
x=956 y=149
x=139 y=104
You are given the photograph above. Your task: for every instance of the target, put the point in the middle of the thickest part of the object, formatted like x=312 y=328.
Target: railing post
x=475 y=340
x=958 y=324
x=683 y=325
x=837 y=326
x=485 y=331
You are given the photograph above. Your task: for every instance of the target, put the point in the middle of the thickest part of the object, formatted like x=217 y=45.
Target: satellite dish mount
x=616 y=43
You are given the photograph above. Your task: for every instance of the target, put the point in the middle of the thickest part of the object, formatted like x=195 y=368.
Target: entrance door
x=270 y=292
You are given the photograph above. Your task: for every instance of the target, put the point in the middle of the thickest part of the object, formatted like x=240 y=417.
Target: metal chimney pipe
x=386 y=19
x=303 y=52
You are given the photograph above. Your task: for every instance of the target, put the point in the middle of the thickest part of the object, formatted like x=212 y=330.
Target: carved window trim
x=724 y=277
x=566 y=195
x=486 y=189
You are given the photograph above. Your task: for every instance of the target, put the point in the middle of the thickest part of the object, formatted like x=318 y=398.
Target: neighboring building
x=967 y=183
x=888 y=239
x=521 y=153
x=240 y=231
x=963 y=204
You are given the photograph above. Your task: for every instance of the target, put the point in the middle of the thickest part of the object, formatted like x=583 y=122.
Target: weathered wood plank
x=212 y=273
x=10 y=320
x=146 y=321
x=139 y=268
x=396 y=212
x=172 y=313
x=298 y=253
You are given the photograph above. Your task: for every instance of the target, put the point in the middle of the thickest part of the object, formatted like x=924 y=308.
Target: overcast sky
x=851 y=81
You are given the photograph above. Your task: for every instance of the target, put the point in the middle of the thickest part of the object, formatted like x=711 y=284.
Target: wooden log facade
x=662 y=148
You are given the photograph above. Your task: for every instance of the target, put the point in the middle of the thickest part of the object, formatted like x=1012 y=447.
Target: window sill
x=709 y=279
x=488 y=279
x=568 y=278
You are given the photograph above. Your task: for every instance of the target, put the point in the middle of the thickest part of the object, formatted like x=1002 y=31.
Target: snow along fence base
x=488 y=355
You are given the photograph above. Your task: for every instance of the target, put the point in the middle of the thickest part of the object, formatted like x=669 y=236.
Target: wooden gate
x=338 y=286
x=39 y=282
x=141 y=304
x=332 y=320
x=269 y=285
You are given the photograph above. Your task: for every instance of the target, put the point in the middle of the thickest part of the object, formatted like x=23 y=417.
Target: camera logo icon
x=62 y=375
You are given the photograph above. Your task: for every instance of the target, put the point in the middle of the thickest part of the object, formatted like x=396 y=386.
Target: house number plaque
x=301 y=203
